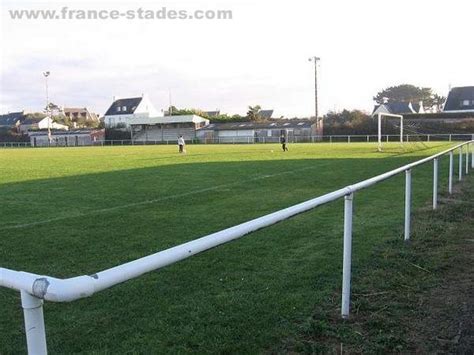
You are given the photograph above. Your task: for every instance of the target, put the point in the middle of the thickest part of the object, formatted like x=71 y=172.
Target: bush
x=116 y=134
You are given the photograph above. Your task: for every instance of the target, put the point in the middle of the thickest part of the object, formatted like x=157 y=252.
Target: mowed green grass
x=72 y=211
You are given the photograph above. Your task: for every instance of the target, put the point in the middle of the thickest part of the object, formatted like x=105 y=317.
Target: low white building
x=75 y=138
x=294 y=130
x=124 y=111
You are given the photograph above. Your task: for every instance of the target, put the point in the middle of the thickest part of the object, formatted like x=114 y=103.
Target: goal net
x=380 y=116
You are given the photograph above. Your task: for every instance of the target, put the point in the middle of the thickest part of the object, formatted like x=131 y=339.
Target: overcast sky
x=258 y=57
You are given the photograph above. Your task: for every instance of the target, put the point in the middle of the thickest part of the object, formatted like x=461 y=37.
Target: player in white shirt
x=181 y=144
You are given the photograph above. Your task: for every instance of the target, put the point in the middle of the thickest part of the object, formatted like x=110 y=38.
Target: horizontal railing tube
x=66 y=290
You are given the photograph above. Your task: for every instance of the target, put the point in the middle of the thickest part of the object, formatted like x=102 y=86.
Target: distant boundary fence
x=355 y=138
x=34 y=289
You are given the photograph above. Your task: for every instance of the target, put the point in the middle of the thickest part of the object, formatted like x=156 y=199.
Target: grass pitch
x=73 y=211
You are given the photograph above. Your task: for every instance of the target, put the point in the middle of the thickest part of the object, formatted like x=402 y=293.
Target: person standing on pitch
x=181 y=144
x=283 y=143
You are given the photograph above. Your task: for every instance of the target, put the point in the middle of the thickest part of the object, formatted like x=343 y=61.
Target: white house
x=45 y=123
x=122 y=112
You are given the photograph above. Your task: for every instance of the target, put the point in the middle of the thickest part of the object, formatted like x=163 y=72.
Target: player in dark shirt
x=283 y=143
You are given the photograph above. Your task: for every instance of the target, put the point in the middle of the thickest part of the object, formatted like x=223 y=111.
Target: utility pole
x=316 y=113
x=48 y=111
x=170 y=110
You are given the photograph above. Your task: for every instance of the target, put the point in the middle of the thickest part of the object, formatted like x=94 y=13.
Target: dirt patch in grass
x=416 y=297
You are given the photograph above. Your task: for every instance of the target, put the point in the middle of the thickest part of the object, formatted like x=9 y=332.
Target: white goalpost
x=379 y=117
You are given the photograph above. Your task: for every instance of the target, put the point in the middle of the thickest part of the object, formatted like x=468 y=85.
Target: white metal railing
x=333 y=138
x=15 y=144
x=36 y=288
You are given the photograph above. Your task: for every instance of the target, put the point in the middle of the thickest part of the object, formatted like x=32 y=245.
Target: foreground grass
x=415 y=297
x=73 y=211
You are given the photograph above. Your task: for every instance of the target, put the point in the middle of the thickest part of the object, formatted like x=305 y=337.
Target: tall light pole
x=316 y=113
x=48 y=115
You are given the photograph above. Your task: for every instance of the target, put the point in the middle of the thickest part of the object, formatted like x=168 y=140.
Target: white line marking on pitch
x=147 y=202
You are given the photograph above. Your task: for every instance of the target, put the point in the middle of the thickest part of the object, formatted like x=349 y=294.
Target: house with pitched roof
x=265 y=114
x=460 y=99
x=398 y=108
x=124 y=111
x=80 y=115
x=12 y=120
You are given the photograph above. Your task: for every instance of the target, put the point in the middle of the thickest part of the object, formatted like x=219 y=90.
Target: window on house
x=124 y=108
x=465 y=103
x=118 y=109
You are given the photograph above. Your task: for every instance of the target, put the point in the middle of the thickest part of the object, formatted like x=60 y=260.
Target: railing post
x=330 y=139
x=451 y=168
x=450 y=137
x=460 y=163
x=428 y=137
x=467 y=159
x=368 y=139
x=407 y=204
x=435 y=183
x=34 y=324
x=472 y=155
x=348 y=139
x=347 y=256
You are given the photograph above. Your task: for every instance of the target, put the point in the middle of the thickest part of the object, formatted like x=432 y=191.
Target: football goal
x=379 y=117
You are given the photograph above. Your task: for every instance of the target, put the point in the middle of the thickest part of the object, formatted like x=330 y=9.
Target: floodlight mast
x=316 y=113
x=48 y=115
x=379 y=118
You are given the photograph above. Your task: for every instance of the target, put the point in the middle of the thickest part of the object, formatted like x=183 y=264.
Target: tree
x=253 y=114
x=438 y=102
x=349 y=122
x=408 y=93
